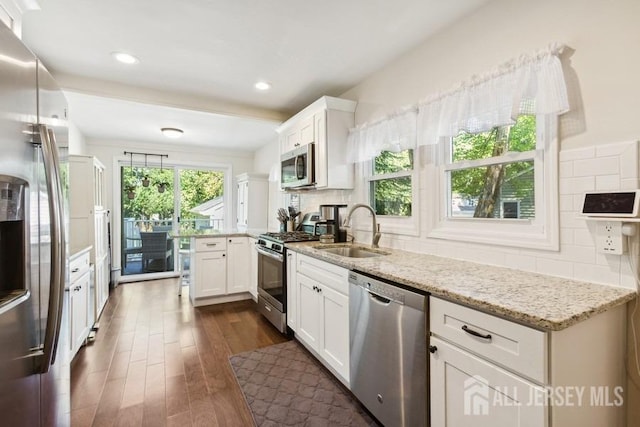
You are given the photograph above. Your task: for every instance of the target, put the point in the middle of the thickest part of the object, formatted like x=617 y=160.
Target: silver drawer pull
x=211 y=244
x=476 y=333
x=267 y=308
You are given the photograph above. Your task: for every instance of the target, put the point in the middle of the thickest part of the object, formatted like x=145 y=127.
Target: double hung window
x=390 y=183
x=492 y=174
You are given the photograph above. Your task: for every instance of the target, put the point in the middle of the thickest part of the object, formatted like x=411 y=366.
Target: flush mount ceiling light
x=262 y=85
x=125 y=58
x=172 y=133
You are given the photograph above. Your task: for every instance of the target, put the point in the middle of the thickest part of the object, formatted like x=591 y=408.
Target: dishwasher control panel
x=377 y=287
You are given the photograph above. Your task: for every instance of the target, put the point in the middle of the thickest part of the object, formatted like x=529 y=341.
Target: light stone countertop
x=544 y=302
x=215 y=233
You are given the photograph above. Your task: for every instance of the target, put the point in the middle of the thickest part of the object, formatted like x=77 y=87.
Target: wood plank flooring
x=157 y=361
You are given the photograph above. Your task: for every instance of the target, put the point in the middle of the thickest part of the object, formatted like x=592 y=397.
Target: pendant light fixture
x=161 y=185
x=146 y=181
x=145 y=178
x=131 y=189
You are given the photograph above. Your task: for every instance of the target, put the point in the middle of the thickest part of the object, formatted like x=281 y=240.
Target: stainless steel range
x=272 y=277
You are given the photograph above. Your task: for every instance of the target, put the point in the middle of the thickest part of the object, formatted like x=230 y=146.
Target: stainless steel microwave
x=297 y=167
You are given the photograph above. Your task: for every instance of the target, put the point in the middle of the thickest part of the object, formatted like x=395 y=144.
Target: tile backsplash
x=596 y=168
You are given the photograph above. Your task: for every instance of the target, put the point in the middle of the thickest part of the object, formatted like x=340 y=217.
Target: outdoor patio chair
x=133 y=244
x=155 y=247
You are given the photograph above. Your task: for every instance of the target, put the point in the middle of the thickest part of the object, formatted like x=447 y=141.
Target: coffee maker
x=331 y=219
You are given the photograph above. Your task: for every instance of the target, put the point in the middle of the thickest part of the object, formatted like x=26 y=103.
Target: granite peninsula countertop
x=216 y=233
x=544 y=302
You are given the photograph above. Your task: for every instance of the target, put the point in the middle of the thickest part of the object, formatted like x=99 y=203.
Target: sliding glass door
x=147 y=219
x=157 y=203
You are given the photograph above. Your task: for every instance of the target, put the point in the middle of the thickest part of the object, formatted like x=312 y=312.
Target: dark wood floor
x=157 y=361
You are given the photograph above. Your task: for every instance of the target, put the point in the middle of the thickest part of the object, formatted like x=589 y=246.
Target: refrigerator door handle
x=56 y=293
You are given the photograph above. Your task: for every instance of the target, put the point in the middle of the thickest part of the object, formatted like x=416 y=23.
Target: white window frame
x=541 y=232
x=394 y=224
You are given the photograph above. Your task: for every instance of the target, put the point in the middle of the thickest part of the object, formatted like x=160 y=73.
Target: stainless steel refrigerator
x=34 y=342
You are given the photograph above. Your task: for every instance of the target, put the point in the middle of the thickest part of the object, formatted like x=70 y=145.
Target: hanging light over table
x=161 y=185
x=145 y=178
x=131 y=190
x=131 y=193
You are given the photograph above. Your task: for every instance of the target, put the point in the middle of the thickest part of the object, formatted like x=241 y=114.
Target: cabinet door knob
x=315 y=288
x=433 y=349
x=224 y=254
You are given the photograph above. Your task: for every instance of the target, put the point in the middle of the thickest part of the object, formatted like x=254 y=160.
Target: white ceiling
x=206 y=55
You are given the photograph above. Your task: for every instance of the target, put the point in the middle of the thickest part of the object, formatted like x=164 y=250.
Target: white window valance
x=529 y=85
x=396 y=132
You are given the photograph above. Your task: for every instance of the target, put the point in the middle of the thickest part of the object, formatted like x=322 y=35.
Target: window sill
x=519 y=234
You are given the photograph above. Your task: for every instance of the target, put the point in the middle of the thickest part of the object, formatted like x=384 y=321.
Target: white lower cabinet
x=79 y=299
x=210 y=275
x=308 y=311
x=469 y=391
x=219 y=270
x=334 y=330
x=488 y=371
x=237 y=272
x=323 y=312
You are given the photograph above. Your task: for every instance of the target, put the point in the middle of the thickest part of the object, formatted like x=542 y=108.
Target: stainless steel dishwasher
x=388 y=350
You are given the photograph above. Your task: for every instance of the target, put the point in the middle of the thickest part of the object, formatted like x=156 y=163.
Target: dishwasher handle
x=380 y=298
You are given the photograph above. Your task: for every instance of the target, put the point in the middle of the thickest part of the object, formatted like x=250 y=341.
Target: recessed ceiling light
x=262 y=85
x=172 y=133
x=125 y=58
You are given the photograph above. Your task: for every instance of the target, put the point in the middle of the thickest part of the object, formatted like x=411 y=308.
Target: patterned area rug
x=284 y=385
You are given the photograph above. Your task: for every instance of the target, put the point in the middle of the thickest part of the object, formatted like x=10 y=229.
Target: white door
x=237 y=271
x=79 y=294
x=469 y=391
x=210 y=274
x=334 y=330
x=309 y=311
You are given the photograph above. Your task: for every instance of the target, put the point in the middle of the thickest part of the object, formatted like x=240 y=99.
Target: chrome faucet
x=375 y=227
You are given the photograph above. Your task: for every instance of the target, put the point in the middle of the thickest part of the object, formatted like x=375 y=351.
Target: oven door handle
x=266 y=253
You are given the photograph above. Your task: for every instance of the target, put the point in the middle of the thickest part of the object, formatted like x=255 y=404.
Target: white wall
x=603 y=65
x=265 y=159
x=603 y=33
x=77 y=141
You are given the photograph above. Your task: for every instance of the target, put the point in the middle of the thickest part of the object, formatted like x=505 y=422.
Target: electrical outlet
x=609 y=238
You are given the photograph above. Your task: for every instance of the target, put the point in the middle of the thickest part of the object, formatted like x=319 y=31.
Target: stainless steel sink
x=353 y=252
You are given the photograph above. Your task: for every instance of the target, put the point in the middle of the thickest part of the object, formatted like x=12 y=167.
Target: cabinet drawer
x=78 y=266
x=211 y=244
x=514 y=346
x=324 y=272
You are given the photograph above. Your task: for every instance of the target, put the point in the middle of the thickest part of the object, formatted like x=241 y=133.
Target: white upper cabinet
x=253 y=199
x=299 y=134
x=325 y=123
